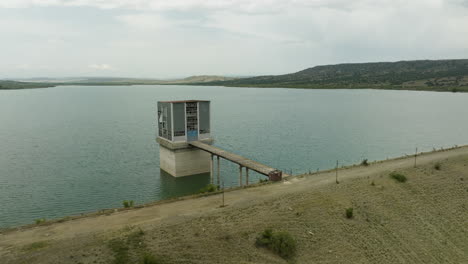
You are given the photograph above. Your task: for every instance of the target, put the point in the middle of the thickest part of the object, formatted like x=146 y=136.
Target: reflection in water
x=178 y=186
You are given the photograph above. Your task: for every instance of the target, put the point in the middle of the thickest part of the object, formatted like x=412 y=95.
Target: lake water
x=71 y=150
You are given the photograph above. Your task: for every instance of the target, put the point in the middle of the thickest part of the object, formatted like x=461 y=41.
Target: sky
x=178 y=38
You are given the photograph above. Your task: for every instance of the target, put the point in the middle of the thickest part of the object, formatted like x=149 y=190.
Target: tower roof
x=185 y=101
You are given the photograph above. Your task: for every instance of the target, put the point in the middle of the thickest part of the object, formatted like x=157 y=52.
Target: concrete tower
x=179 y=123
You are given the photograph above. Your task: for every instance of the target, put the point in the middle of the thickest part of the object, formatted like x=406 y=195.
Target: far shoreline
x=449 y=89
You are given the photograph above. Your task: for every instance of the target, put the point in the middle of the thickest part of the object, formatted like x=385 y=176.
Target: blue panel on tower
x=192 y=135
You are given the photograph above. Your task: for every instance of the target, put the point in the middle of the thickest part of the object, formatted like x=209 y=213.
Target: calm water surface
x=71 y=150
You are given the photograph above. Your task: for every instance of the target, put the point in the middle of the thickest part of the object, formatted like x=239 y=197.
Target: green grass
x=150 y=259
x=398 y=177
x=127 y=204
x=208 y=188
x=121 y=251
x=281 y=243
x=36 y=246
x=40 y=221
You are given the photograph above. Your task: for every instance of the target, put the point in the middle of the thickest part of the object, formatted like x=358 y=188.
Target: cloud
x=258 y=6
x=155 y=38
x=101 y=67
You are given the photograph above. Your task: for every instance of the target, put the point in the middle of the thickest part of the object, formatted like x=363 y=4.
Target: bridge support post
x=219 y=182
x=240 y=176
x=246 y=176
x=211 y=169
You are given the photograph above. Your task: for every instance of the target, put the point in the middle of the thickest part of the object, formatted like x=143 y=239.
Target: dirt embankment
x=423 y=220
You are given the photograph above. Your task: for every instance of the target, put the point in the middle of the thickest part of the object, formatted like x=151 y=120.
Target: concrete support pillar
x=211 y=169
x=246 y=176
x=219 y=180
x=240 y=176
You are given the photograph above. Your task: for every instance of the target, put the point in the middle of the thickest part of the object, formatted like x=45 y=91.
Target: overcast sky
x=177 y=38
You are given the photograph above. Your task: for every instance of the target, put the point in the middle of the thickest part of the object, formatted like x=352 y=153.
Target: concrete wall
x=184 y=162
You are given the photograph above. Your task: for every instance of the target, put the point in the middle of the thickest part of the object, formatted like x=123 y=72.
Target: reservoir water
x=77 y=149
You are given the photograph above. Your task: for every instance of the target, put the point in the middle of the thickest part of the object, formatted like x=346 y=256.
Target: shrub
x=349 y=213
x=208 y=188
x=127 y=204
x=40 y=221
x=437 y=166
x=364 y=162
x=399 y=177
x=281 y=243
x=150 y=259
x=262 y=180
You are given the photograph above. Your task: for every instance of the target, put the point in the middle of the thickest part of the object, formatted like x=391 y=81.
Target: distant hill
x=11 y=85
x=439 y=75
x=128 y=81
x=427 y=75
x=202 y=79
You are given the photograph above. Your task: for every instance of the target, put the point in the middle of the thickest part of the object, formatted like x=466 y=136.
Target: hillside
x=11 y=85
x=109 y=81
x=437 y=75
x=422 y=220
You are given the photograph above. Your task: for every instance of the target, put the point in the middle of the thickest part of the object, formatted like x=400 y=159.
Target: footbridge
x=272 y=173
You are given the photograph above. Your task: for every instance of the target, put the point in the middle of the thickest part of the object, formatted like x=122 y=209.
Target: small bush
x=150 y=259
x=349 y=213
x=399 y=177
x=36 y=246
x=437 y=166
x=262 y=180
x=208 y=188
x=127 y=204
x=364 y=162
x=40 y=221
x=372 y=183
x=281 y=243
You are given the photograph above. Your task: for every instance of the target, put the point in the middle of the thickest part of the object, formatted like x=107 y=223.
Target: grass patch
x=281 y=243
x=349 y=213
x=437 y=166
x=36 y=246
x=120 y=249
x=150 y=259
x=262 y=180
x=127 y=204
x=398 y=177
x=40 y=221
x=208 y=188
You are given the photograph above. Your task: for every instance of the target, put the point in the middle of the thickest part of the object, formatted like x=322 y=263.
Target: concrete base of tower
x=180 y=159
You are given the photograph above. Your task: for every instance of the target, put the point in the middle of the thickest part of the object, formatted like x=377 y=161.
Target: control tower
x=179 y=123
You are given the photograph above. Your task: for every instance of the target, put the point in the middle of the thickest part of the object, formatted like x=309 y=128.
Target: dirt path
x=90 y=232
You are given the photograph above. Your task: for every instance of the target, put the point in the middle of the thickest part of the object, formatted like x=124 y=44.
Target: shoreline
x=420 y=220
x=461 y=89
x=110 y=211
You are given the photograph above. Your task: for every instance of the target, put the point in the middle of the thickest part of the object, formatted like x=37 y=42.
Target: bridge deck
x=242 y=161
